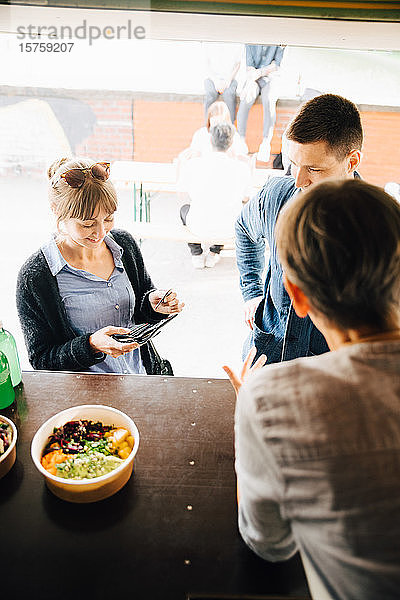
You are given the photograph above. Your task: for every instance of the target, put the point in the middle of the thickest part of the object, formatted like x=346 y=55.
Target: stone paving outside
x=207 y=334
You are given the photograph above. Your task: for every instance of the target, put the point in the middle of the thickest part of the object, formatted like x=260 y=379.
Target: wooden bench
x=162 y=177
x=174 y=232
x=155 y=177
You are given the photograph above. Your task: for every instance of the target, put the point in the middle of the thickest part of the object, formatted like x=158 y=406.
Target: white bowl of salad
x=8 y=440
x=86 y=453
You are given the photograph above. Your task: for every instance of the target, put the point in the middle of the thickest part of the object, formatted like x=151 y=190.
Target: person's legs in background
x=216 y=248
x=229 y=97
x=269 y=111
x=195 y=249
x=211 y=95
x=213 y=255
x=243 y=115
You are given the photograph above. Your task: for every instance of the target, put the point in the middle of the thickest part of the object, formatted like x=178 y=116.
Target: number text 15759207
x=46 y=46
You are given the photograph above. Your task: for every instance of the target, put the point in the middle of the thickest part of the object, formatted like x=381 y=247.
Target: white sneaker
x=211 y=259
x=198 y=261
x=264 y=151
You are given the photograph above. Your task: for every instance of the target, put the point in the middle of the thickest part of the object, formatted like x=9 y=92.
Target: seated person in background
x=217 y=185
x=87 y=282
x=222 y=62
x=318 y=438
x=263 y=64
x=201 y=142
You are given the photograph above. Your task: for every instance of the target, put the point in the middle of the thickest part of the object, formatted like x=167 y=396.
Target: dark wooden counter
x=171 y=531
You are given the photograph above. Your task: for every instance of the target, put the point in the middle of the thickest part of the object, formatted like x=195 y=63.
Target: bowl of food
x=8 y=441
x=86 y=453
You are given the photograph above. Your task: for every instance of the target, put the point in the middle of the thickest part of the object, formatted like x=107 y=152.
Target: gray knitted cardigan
x=51 y=342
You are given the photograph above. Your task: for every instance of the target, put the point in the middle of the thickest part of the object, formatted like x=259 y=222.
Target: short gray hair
x=222 y=136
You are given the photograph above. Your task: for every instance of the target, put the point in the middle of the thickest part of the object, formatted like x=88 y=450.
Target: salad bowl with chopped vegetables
x=86 y=452
x=8 y=440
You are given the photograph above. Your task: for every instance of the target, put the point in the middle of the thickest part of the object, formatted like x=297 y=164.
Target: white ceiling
x=252 y=29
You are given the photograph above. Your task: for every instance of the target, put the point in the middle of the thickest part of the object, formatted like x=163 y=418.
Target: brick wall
x=112 y=138
x=163 y=128
x=155 y=128
x=381 y=151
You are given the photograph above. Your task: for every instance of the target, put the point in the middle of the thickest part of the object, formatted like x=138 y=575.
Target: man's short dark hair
x=328 y=118
x=222 y=136
x=339 y=242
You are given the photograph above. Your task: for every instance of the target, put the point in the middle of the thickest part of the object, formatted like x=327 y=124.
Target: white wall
x=325 y=53
x=368 y=77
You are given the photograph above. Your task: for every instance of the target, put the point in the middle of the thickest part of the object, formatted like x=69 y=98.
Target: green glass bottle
x=7 y=394
x=9 y=347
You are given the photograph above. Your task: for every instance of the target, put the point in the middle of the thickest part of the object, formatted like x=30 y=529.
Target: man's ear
x=353 y=160
x=299 y=300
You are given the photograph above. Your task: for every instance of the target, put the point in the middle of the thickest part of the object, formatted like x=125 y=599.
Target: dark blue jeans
x=196 y=249
x=229 y=97
x=269 y=115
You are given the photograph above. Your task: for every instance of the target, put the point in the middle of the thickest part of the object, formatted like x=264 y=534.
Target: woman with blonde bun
x=88 y=282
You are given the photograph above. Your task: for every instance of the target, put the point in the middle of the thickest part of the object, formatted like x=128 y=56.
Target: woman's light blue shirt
x=92 y=302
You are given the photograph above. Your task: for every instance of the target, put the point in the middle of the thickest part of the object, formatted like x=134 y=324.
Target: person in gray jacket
x=318 y=438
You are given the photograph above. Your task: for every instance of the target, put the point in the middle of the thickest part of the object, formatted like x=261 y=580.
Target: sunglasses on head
x=76 y=177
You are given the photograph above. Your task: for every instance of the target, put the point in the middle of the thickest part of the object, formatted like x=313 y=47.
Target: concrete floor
x=207 y=334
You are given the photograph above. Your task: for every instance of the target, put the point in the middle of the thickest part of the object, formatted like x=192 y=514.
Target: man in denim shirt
x=325 y=140
x=318 y=439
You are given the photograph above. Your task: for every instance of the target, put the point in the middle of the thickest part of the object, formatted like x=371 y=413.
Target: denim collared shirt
x=278 y=332
x=259 y=56
x=318 y=463
x=92 y=302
